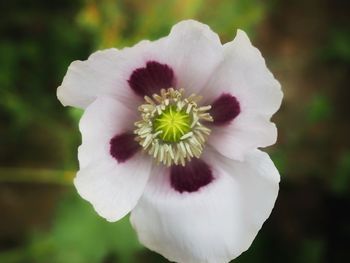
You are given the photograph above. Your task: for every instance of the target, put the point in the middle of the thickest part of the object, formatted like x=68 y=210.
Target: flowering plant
x=171 y=132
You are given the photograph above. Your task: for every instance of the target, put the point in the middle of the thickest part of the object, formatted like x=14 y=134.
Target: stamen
x=170 y=128
x=187 y=135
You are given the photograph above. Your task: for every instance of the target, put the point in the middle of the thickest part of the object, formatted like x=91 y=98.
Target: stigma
x=171 y=127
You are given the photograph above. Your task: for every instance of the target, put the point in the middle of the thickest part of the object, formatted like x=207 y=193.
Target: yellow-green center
x=172 y=123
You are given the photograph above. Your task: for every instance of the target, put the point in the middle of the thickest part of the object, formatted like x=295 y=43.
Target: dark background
x=306 y=45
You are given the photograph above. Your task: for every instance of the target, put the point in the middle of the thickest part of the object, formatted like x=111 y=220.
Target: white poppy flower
x=170 y=132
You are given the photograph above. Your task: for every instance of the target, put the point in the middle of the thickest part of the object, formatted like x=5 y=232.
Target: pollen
x=171 y=127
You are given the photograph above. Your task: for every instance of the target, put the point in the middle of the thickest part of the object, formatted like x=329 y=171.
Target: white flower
x=187 y=168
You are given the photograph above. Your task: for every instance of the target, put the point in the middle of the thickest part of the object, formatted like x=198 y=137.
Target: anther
x=170 y=128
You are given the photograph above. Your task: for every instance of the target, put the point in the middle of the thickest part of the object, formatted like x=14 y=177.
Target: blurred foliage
x=319 y=109
x=341 y=180
x=78 y=235
x=123 y=23
x=307 y=45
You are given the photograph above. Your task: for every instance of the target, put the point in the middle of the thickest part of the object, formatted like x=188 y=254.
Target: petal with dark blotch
x=216 y=223
x=110 y=183
x=224 y=109
x=151 y=79
x=191 y=177
x=123 y=146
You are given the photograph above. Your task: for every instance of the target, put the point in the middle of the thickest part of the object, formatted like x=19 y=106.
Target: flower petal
x=151 y=79
x=192 y=177
x=224 y=109
x=244 y=134
x=216 y=223
x=112 y=185
x=191 y=48
x=101 y=122
x=193 y=51
x=243 y=74
x=123 y=146
x=105 y=73
x=99 y=75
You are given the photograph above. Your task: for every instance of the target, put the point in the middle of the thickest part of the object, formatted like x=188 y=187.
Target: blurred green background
x=306 y=45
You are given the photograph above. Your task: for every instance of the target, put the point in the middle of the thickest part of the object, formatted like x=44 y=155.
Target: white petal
x=194 y=51
x=243 y=74
x=105 y=73
x=244 y=134
x=215 y=224
x=113 y=188
x=101 y=121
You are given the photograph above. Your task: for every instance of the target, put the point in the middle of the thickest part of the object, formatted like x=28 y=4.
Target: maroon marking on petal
x=191 y=177
x=151 y=79
x=224 y=109
x=123 y=146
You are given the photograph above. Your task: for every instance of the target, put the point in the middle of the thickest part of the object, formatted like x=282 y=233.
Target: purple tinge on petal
x=123 y=146
x=224 y=109
x=151 y=79
x=191 y=177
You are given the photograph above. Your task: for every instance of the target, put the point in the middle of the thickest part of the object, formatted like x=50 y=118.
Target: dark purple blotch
x=123 y=146
x=224 y=109
x=192 y=177
x=151 y=79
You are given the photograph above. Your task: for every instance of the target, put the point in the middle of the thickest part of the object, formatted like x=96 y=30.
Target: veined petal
x=110 y=180
x=244 y=75
x=214 y=224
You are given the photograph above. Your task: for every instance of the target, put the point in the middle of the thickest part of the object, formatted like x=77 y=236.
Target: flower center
x=170 y=128
x=173 y=124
